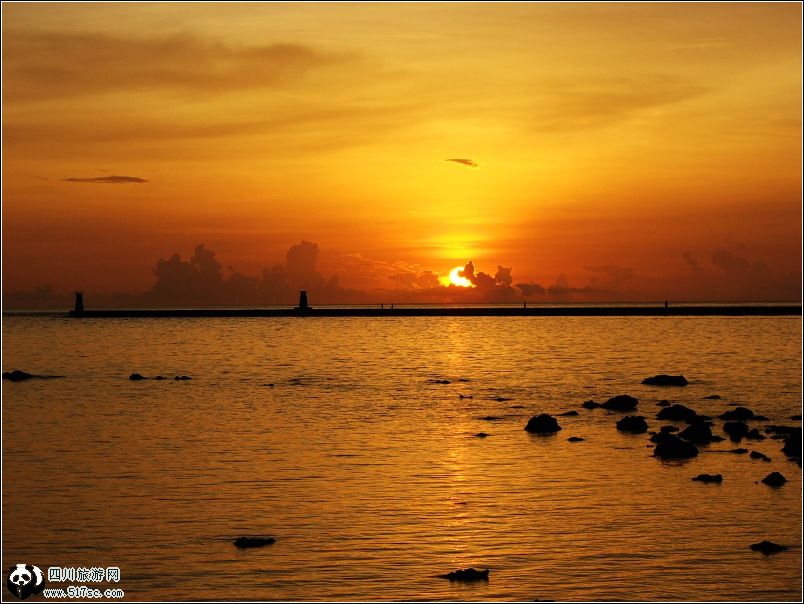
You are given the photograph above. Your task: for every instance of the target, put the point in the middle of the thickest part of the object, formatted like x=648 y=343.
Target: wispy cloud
x=64 y=64
x=107 y=180
x=463 y=161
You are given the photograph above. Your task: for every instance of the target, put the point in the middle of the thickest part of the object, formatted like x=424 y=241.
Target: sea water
x=331 y=435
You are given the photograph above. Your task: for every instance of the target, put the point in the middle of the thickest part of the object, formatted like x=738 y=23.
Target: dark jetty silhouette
x=385 y=310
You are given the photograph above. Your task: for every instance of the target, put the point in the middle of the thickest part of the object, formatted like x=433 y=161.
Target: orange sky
x=663 y=140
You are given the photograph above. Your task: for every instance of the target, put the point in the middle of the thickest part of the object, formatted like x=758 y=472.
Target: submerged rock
x=481 y=435
x=736 y=430
x=792 y=444
x=590 y=405
x=248 y=542
x=774 y=479
x=621 y=402
x=712 y=397
x=635 y=424
x=709 y=478
x=575 y=439
x=739 y=414
x=21 y=376
x=542 y=424
x=663 y=404
x=467 y=574
x=758 y=455
x=768 y=547
x=17 y=375
x=669 y=446
x=182 y=377
x=755 y=434
x=568 y=414
x=678 y=413
x=137 y=377
x=666 y=380
x=438 y=382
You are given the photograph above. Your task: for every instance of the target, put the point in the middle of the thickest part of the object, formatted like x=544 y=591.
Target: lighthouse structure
x=303 y=307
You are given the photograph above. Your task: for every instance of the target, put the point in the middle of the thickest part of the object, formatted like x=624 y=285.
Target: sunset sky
x=639 y=151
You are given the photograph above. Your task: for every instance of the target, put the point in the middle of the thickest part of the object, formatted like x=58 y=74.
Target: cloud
x=44 y=65
x=692 y=262
x=468 y=273
x=423 y=280
x=463 y=161
x=530 y=288
x=590 y=103
x=503 y=275
x=107 y=180
x=730 y=262
x=610 y=276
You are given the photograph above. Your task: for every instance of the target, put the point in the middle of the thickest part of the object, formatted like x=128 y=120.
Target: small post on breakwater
x=79 y=303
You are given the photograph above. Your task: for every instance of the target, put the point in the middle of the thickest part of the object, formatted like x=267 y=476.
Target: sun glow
x=456 y=279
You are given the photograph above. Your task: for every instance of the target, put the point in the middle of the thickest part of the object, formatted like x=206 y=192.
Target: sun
x=456 y=279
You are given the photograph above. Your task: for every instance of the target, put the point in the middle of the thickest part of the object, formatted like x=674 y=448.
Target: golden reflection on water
x=371 y=478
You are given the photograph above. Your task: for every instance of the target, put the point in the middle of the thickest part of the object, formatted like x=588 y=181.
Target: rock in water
x=666 y=380
x=17 y=375
x=792 y=444
x=670 y=446
x=542 y=424
x=739 y=414
x=590 y=405
x=774 y=479
x=736 y=430
x=21 y=376
x=709 y=478
x=481 y=435
x=678 y=413
x=575 y=439
x=758 y=455
x=635 y=424
x=137 y=377
x=698 y=432
x=568 y=414
x=622 y=402
x=467 y=574
x=247 y=542
x=712 y=397
x=768 y=547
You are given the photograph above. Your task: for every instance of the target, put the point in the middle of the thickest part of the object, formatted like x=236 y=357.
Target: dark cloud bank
x=201 y=280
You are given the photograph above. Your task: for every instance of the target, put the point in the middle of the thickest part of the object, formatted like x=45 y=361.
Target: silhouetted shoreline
x=564 y=311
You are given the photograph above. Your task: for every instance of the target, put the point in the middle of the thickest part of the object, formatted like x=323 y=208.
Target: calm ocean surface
x=370 y=477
